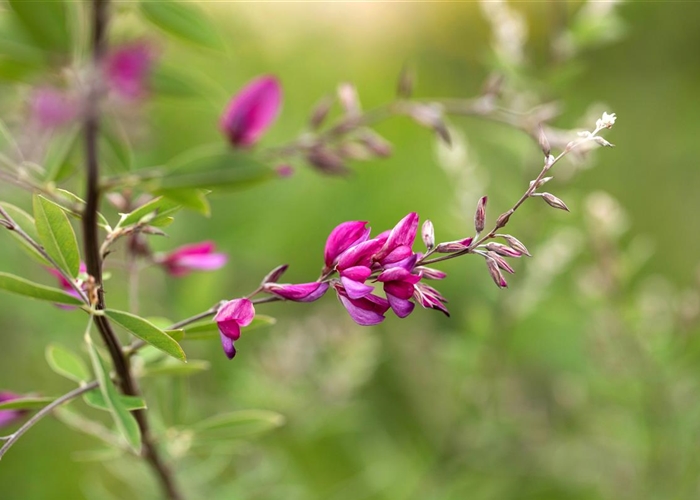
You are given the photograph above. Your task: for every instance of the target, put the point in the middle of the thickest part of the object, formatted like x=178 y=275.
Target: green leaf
x=183 y=20
x=81 y=423
x=147 y=332
x=45 y=22
x=125 y=421
x=20 y=286
x=168 y=81
x=150 y=212
x=67 y=363
x=74 y=198
x=209 y=330
x=58 y=153
x=238 y=424
x=169 y=367
x=194 y=199
x=56 y=234
x=96 y=400
x=211 y=168
x=26 y=222
x=28 y=403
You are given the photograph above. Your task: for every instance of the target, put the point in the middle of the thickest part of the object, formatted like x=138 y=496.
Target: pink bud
x=128 y=68
x=480 y=215
x=229 y=319
x=251 y=111
x=196 y=257
x=305 y=292
x=495 y=273
x=7 y=417
x=555 y=202
x=51 y=108
x=428 y=234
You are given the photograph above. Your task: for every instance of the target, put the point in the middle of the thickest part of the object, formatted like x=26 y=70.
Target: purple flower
x=66 y=285
x=366 y=311
x=399 y=243
x=252 y=111
x=305 y=292
x=195 y=257
x=399 y=287
x=8 y=417
x=229 y=319
x=51 y=108
x=128 y=68
x=344 y=236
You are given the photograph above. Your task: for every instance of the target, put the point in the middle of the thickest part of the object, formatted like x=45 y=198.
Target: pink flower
x=429 y=298
x=284 y=170
x=366 y=311
x=305 y=292
x=252 y=111
x=229 y=319
x=196 y=257
x=7 y=417
x=399 y=287
x=66 y=286
x=128 y=68
x=346 y=235
x=51 y=108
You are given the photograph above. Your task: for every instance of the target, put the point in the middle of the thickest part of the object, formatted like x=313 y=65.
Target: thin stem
x=45 y=411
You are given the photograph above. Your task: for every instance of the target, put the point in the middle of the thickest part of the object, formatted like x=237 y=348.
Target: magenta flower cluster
x=354 y=266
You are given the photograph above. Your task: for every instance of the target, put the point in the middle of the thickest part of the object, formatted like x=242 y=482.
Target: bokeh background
x=579 y=381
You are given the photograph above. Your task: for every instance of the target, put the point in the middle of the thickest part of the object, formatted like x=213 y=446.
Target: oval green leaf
x=20 y=286
x=26 y=222
x=96 y=400
x=67 y=363
x=28 y=403
x=238 y=424
x=125 y=421
x=183 y=20
x=57 y=235
x=147 y=332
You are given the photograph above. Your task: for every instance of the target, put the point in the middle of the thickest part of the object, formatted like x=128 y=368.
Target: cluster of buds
x=355 y=265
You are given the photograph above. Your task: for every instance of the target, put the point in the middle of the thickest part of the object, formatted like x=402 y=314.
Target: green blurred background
x=579 y=381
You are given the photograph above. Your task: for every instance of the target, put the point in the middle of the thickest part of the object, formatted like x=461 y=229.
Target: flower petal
x=401 y=307
x=305 y=292
x=241 y=311
x=355 y=289
x=343 y=237
x=227 y=345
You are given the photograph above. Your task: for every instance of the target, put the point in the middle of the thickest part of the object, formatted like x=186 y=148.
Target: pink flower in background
x=50 y=107
x=7 y=417
x=127 y=69
x=196 y=257
x=230 y=318
x=66 y=286
x=252 y=111
x=284 y=170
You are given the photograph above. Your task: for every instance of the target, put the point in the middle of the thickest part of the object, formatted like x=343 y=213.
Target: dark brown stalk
x=93 y=259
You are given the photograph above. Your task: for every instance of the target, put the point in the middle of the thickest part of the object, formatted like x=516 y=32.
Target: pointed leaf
x=147 y=332
x=56 y=235
x=168 y=81
x=26 y=222
x=183 y=20
x=67 y=363
x=125 y=421
x=28 y=403
x=46 y=23
x=194 y=199
x=97 y=400
x=101 y=220
x=59 y=151
x=169 y=367
x=150 y=212
x=20 y=286
x=238 y=424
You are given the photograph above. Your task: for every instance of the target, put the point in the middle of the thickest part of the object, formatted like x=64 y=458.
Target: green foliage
x=66 y=363
x=28 y=403
x=125 y=421
x=237 y=424
x=21 y=286
x=26 y=222
x=47 y=24
x=57 y=235
x=147 y=332
x=182 y=20
x=97 y=400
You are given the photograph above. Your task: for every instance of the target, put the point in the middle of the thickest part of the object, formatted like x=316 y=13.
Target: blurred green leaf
x=212 y=168
x=169 y=82
x=28 y=403
x=115 y=141
x=26 y=222
x=194 y=199
x=158 y=208
x=56 y=235
x=81 y=423
x=238 y=424
x=97 y=400
x=58 y=153
x=209 y=330
x=45 y=22
x=147 y=332
x=125 y=421
x=74 y=198
x=183 y=20
x=170 y=367
x=66 y=363
x=21 y=286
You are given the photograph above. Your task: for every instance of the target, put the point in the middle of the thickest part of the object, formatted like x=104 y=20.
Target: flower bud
x=454 y=246
x=501 y=262
x=327 y=161
x=480 y=215
x=431 y=115
x=542 y=181
x=503 y=250
x=495 y=272
x=599 y=140
x=407 y=78
x=347 y=94
x=429 y=273
x=555 y=202
x=274 y=275
x=544 y=143
x=515 y=244
x=376 y=144
x=428 y=234
x=320 y=112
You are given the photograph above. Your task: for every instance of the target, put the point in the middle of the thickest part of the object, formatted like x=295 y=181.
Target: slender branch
x=45 y=411
x=93 y=259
